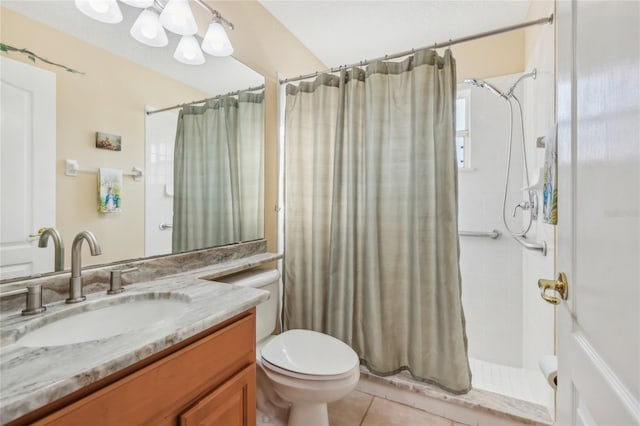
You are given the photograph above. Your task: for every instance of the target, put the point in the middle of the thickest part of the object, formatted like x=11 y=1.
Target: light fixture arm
x=216 y=15
x=159 y=5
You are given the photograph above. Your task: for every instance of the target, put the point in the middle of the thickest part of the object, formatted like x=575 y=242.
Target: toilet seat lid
x=309 y=352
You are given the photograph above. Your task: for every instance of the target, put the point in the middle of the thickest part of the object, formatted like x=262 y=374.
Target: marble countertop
x=32 y=377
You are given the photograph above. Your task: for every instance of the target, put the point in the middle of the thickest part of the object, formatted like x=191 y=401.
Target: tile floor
x=361 y=409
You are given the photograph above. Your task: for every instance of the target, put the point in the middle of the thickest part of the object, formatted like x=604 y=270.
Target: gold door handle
x=36 y=235
x=559 y=285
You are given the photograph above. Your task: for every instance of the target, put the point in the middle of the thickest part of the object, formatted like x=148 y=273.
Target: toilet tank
x=267 y=311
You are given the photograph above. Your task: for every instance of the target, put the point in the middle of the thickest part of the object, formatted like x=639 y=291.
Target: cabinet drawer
x=159 y=392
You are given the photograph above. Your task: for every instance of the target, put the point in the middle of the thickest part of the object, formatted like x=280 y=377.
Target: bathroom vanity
x=208 y=378
x=197 y=365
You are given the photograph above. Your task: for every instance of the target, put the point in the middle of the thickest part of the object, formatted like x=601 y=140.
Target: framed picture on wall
x=108 y=141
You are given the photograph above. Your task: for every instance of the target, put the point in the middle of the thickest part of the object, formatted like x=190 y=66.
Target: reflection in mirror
x=219 y=145
x=122 y=79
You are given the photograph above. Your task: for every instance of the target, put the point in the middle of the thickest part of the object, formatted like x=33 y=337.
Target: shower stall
x=509 y=328
x=497 y=190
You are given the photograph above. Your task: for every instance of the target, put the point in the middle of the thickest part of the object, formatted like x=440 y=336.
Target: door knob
x=37 y=234
x=560 y=285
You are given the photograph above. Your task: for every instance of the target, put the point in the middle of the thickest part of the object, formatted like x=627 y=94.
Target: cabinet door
x=232 y=404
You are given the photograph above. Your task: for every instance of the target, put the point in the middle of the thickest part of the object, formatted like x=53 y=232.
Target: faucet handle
x=525 y=205
x=34 y=298
x=116 y=280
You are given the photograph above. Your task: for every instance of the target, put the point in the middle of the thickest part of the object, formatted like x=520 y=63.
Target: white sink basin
x=105 y=322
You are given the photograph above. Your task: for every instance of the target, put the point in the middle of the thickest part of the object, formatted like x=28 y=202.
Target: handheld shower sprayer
x=531 y=204
x=485 y=85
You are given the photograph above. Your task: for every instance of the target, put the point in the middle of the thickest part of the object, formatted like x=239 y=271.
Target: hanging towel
x=109 y=190
x=550 y=190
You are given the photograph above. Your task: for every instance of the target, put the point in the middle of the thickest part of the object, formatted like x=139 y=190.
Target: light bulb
x=216 y=42
x=147 y=29
x=106 y=11
x=100 y=6
x=188 y=51
x=178 y=18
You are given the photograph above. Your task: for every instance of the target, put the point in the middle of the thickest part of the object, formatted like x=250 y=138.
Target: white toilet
x=304 y=369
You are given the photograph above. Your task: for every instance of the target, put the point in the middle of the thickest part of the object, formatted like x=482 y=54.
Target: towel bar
x=72 y=168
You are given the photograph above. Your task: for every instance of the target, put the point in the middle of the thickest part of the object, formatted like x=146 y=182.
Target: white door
x=27 y=160
x=599 y=212
x=160 y=135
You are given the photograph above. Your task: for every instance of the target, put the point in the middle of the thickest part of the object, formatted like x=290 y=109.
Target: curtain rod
x=237 y=92
x=448 y=43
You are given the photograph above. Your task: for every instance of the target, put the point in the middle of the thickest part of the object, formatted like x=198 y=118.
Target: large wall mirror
x=203 y=162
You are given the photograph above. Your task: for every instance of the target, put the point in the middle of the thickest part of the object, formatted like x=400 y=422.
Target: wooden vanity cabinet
x=208 y=380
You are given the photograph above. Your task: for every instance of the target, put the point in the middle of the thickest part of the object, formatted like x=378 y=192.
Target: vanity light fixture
x=147 y=29
x=188 y=51
x=106 y=11
x=178 y=18
x=173 y=15
x=216 y=42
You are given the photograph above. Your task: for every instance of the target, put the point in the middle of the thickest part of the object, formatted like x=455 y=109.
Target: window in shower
x=462 y=129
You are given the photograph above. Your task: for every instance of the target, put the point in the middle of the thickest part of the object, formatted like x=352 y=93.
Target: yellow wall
x=109 y=98
x=490 y=57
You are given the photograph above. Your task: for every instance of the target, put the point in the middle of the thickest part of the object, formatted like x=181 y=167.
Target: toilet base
x=308 y=413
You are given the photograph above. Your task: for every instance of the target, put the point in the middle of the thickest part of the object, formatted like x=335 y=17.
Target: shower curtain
x=371 y=238
x=218 y=169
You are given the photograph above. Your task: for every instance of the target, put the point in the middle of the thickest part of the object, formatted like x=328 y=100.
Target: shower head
x=533 y=74
x=485 y=85
x=472 y=82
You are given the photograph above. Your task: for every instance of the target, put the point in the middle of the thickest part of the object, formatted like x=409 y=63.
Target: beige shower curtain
x=371 y=238
x=218 y=169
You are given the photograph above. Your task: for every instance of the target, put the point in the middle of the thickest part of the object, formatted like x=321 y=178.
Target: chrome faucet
x=75 y=282
x=58 y=244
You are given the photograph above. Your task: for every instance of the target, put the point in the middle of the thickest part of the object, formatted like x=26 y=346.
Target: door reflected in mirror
x=122 y=80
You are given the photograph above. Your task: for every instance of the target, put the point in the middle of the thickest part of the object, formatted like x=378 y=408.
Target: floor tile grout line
x=367 y=410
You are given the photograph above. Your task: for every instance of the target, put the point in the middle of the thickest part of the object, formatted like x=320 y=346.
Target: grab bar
x=495 y=234
x=164 y=226
x=531 y=245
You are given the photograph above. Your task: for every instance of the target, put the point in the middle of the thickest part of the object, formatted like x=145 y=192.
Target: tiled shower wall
x=491 y=269
x=507 y=321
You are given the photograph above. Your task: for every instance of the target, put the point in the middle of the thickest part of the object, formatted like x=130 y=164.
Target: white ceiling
x=217 y=76
x=345 y=32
